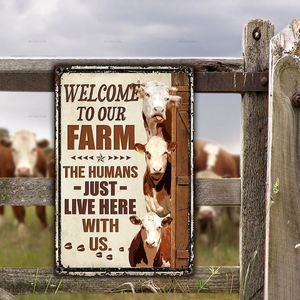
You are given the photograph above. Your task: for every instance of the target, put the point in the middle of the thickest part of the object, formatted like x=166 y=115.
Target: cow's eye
x=147 y=95
x=159 y=228
x=167 y=99
x=166 y=153
x=148 y=155
x=143 y=227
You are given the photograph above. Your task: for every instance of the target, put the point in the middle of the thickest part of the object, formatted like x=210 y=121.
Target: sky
x=116 y=28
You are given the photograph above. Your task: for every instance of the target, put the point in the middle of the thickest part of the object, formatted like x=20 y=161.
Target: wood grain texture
x=40 y=191
x=26 y=191
x=218 y=192
x=283 y=222
x=37 y=75
x=46 y=65
x=181 y=169
x=4 y=295
x=21 y=281
x=254 y=162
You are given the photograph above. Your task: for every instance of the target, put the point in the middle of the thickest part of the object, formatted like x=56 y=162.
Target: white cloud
x=116 y=28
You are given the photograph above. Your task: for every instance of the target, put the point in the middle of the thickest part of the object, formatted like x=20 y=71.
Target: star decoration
x=100 y=158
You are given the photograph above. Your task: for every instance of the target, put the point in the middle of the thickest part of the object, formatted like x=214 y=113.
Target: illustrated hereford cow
x=21 y=156
x=157 y=177
x=151 y=246
x=157 y=99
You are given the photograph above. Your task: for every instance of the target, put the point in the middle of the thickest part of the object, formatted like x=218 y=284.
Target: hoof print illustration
x=68 y=246
x=121 y=249
x=109 y=257
x=80 y=248
x=99 y=254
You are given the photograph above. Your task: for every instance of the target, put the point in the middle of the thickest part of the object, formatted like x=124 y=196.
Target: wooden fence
x=247 y=76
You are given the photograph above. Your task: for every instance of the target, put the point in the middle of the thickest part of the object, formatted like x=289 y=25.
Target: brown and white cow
x=210 y=218
x=50 y=161
x=208 y=156
x=21 y=156
x=211 y=161
x=151 y=246
x=157 y=177
x=157 y=99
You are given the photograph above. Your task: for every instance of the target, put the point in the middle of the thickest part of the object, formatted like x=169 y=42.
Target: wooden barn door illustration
x=180 y=129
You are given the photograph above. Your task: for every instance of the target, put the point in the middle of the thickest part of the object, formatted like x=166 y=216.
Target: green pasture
x=38 y=251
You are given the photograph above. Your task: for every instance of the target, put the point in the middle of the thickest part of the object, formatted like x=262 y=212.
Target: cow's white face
x=157 y=152
x=157 y=100
x=151 y=228
x=24 y=146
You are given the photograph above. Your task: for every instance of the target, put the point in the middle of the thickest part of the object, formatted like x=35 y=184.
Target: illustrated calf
x=151 y=246
x=157 y=99
x=21 y=156
x=157 y=177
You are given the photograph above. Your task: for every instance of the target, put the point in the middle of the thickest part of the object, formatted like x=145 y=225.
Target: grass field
x=38 y=251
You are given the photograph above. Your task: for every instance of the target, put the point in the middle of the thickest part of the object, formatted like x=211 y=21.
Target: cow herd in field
x=22 y=155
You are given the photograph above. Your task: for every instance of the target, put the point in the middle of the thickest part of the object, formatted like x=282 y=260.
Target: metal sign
x=114 y=157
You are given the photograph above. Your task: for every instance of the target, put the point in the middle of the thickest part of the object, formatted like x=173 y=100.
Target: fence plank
x=36 y=75
x=4 y=295
x=40 y=191
x=46 y=65
x=283 y=221
x=26 y=191
x=257 y=34
x=218 y=192
x=21 y=281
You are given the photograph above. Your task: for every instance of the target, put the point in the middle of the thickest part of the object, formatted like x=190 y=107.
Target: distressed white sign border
x=135 y=271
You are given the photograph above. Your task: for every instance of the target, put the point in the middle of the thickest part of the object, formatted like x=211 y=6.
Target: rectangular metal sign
x=115 y=158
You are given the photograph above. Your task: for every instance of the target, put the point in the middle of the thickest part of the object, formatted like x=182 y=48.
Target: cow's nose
x=157 y=169
x=150 y=243
x=23 y=172
x=206 y=214
x=159 y=109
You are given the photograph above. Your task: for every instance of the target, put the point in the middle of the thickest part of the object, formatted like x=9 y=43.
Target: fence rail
x=22 y=280
x=40 y=191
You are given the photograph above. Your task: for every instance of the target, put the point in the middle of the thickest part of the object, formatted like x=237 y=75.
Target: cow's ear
x=135 y=220
x=140 y=148
x=6 y=142
x=172 y=146
x=43 y=143
x=165 y=222
x=174 y=101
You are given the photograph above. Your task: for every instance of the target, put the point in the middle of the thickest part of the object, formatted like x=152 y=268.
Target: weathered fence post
x=257 y=34
x=283 y=216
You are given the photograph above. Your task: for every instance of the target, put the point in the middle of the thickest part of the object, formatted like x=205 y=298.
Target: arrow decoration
x=100 y=157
